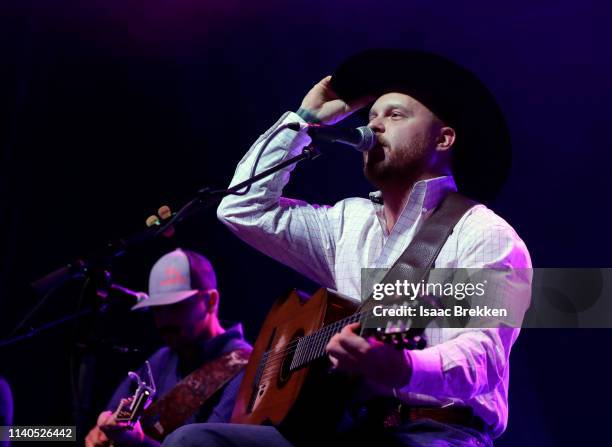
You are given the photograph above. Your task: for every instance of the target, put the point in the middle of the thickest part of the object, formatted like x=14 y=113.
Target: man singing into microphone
x=436 y=127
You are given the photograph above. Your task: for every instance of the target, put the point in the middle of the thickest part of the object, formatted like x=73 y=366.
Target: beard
x=385 y=167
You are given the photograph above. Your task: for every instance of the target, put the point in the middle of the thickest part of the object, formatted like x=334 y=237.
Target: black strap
x=414 y=265
x=418 y=258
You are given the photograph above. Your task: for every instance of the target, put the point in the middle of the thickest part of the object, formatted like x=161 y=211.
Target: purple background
x=112 y=108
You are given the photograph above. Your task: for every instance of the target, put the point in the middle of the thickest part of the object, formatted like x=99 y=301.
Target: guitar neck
x=312 y=347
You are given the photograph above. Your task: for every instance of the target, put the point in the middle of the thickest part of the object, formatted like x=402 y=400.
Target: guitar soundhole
x=284 y=373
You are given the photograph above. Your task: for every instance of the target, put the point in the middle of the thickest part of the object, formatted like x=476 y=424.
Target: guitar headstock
x=130 y=409
x=399 y=333
x=398 y=336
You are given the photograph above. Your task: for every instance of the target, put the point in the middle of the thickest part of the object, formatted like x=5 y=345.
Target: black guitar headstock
x=130 y=409
x=398 y=336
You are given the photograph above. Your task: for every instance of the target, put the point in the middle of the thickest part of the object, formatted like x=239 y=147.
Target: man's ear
x=211 y=299
x=446 y=138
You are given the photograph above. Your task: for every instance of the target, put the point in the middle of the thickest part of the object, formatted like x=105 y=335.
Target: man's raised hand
x=323 y=104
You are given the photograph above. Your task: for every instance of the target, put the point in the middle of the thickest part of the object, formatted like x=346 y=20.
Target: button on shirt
x=331 y=244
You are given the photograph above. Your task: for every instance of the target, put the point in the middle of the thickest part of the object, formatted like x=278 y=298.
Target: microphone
x=362 y=138
x=140 y=296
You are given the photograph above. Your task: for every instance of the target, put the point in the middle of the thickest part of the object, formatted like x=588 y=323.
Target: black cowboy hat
x=482 y=151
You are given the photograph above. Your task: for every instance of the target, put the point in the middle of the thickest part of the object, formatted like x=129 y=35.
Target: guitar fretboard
x=312 y=347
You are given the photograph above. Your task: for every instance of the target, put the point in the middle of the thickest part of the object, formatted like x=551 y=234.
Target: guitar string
x=311 y=337
x=278 y=356
x=270 y=362
x=285 y=348
x=270 y=369
x=315 y=337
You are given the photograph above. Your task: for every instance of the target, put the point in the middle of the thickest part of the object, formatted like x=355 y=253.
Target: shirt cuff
x=307 y=116
x=291 y=141
x=426 y=377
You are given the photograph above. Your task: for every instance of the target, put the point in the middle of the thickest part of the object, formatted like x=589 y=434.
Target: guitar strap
x=174 y=409
x=418 y=258
x=414 y=265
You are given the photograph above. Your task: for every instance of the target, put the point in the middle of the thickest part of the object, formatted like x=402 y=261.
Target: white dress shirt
x=330 y=245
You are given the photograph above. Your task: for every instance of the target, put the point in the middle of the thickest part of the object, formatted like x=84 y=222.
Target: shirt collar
x=425 y=195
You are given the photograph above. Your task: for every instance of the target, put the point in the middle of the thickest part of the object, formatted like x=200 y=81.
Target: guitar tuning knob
x=421 y=343
x=417 y=343
x=152 y=220
x=164 y=212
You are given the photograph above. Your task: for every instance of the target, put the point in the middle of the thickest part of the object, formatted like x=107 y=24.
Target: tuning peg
x=165 y=213
x=421 y=343
x=415 y=342
x=152 y=220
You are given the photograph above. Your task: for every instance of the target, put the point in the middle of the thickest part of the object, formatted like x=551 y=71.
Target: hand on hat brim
x=326 y=107
x=482 y=152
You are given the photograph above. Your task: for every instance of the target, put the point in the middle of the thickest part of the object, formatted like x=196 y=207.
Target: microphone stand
x=99 y=261
x=32 y=332
x=97 y=265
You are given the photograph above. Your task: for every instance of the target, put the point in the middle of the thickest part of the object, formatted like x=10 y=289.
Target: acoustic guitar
x=287 y=382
